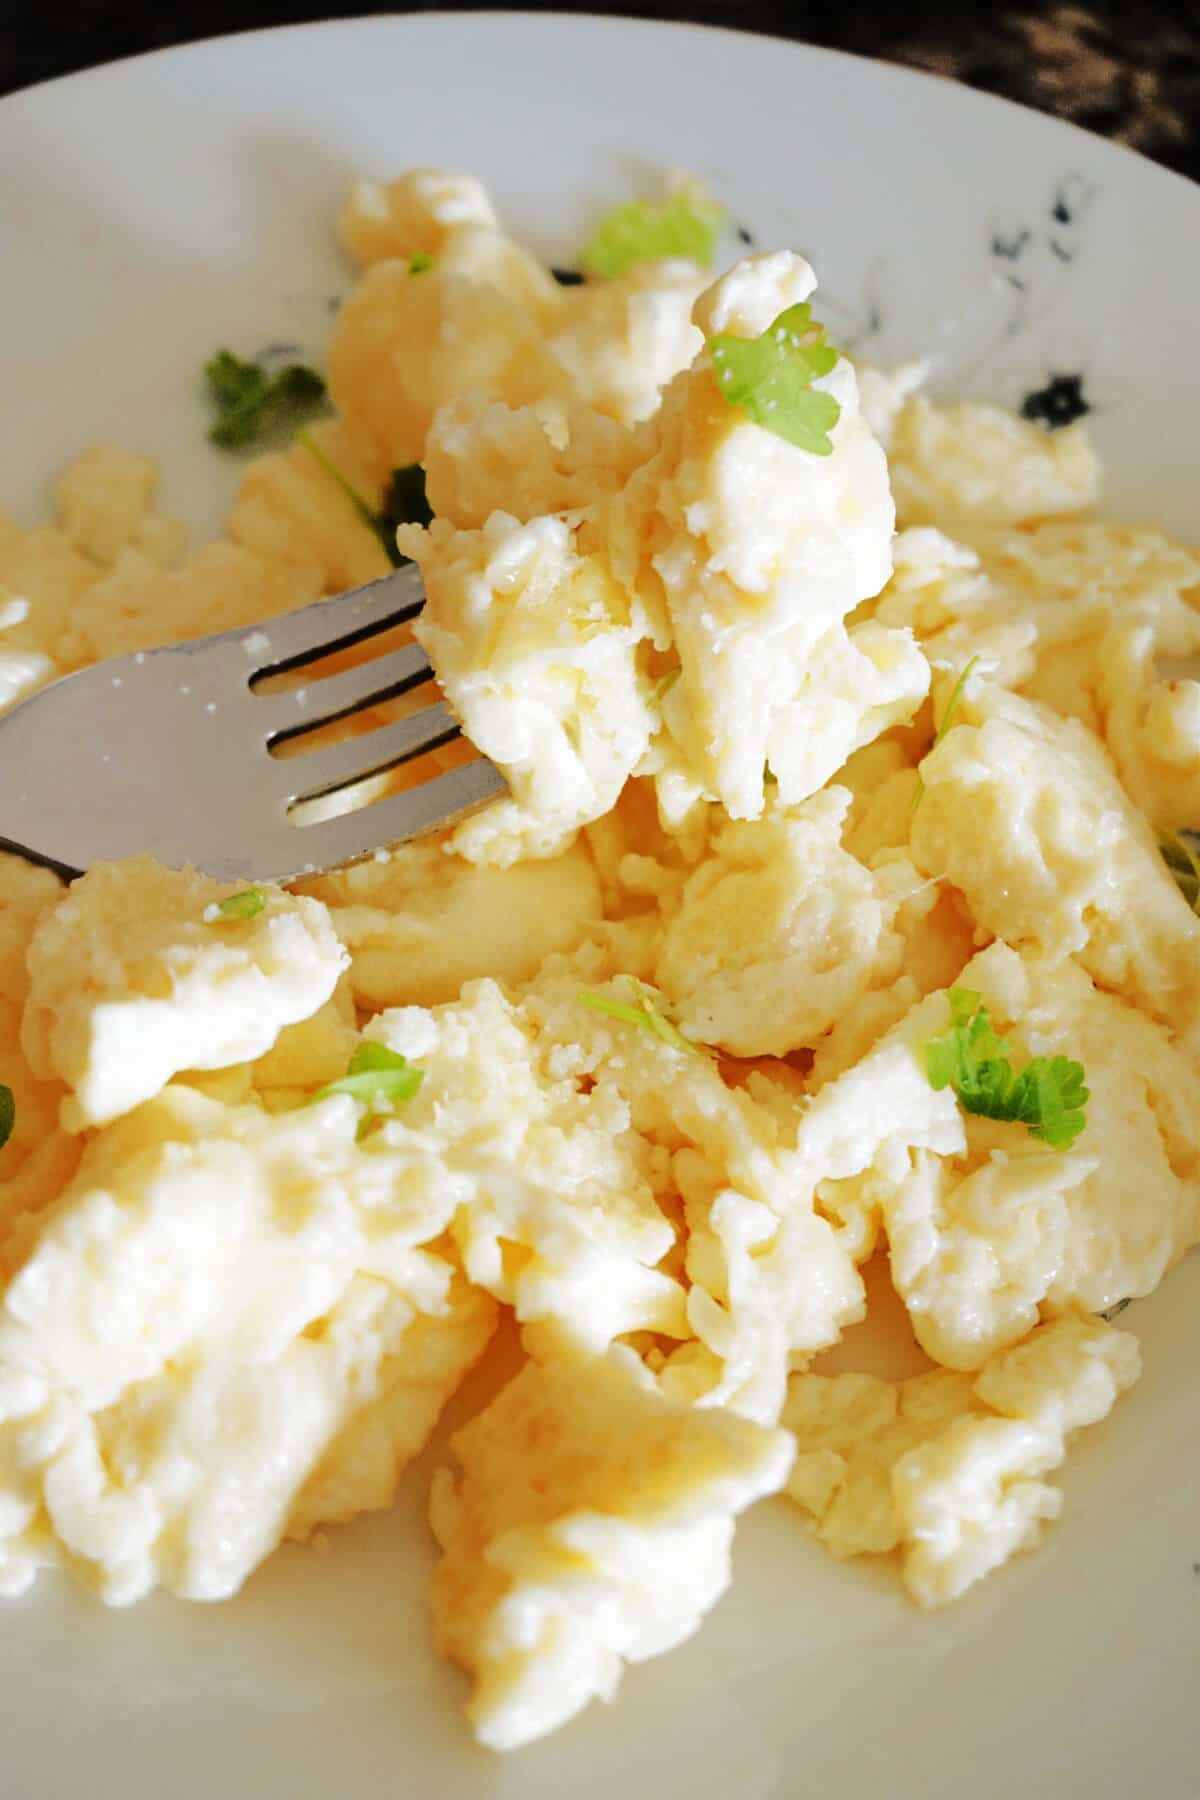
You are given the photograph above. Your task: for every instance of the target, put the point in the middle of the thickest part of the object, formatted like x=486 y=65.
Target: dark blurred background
x=1129 y=69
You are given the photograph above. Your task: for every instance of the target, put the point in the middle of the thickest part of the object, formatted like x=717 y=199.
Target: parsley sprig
x=687 y=224
x=771 y=378
x=1048 y=1096
x=377 y=1078
x=645 y=1012
x=404 y=501
x=248 y=399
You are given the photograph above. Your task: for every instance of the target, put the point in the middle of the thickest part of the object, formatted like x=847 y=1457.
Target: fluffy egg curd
x=824 y=945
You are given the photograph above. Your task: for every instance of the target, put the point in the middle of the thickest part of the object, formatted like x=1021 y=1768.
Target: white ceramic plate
x=154 y=210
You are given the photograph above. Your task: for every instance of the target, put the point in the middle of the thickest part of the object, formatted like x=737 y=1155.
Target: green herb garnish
x=1049 y=1095
x=378 y=1079
x=1182 y=856
x=952 y=705
x=645 y=1013
x=404 y=501
x=420 y=263
x=8 y=1114
x=661 y=687
x=687 y=224
x=771 y=378
x=248 y=399
x=245 y=905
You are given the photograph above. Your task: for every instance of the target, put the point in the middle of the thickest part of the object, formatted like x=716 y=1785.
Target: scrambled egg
x=640 y=1055
x=1024 y=813
x=947 y=1468
x=129 y=983
x=730 y=557
x=280 y=1294
x=1007 y=1231
x=779 y=929
x=588 y=1525
x=424 y=922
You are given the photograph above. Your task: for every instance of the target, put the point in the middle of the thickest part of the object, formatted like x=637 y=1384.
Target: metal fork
x=169 y=751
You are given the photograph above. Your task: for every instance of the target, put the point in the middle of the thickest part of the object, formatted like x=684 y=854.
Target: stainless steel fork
x=170 y=751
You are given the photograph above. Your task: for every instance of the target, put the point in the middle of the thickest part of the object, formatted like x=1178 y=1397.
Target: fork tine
x=299 y=637
x=323 y=771
x=285 y=715
x=185 y=769
x=434 y=804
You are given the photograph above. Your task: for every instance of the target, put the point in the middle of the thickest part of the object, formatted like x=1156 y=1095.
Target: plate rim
x=113 y=67
x=385 y=23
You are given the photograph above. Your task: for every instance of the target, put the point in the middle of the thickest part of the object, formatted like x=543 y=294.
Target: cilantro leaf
x=687 y=224
x=248 y=399
x=952 y=704
x=404 y=501
x=1049 y=1096
x=8 y=1114
x=1180 y=851
x=970 y=1056
x=770 y=378
x=378 y=1079
x=645 y=1013
x=245 y=905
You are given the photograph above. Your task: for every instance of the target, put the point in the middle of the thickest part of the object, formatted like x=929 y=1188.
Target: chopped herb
x=248 y=399
x=420 y=263
x=378 y=1079
x=1048 y=1096
x=1181 y=853
x=952 y=705
x=687 y=224
x=245 y=905
x=374 y=521
x=8 y=1114
x=645 y=1013
x=404 y=501
x=771 y=378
